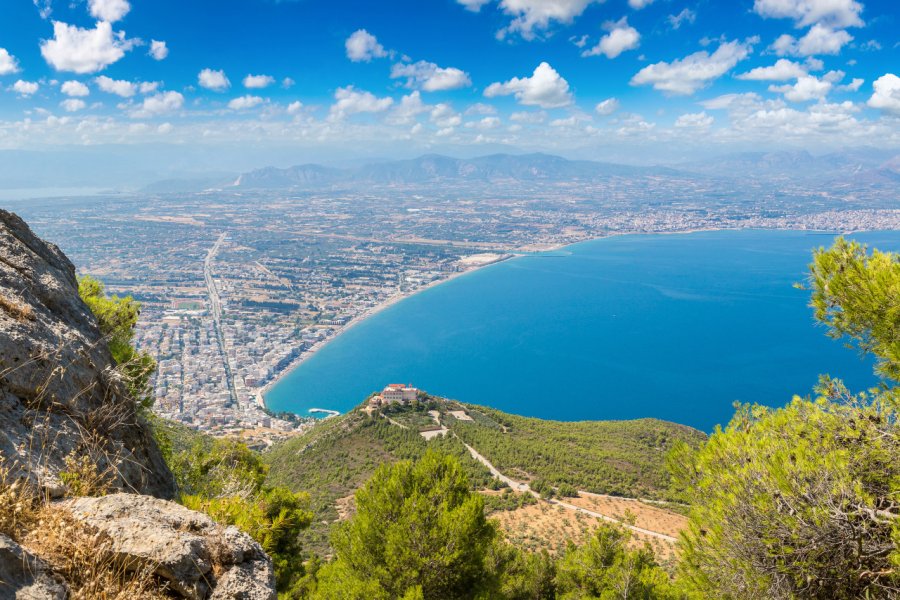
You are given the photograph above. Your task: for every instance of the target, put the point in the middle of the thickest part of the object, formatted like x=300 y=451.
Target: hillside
x=337 y=456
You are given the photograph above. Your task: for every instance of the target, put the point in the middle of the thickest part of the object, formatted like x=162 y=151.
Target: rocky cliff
x=63 y=404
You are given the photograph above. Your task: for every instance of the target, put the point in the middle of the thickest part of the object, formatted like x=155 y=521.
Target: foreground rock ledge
x=198 y=557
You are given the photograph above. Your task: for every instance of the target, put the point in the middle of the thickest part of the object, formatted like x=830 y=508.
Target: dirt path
x=524 y=487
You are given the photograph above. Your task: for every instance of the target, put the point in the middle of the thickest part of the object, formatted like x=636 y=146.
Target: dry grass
x=18 y=504
x=645 y=516
x=551 y=527
x=15 y=307
x=84 y=557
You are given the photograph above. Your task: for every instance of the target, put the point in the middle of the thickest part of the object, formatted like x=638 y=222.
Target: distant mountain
x=434 y=168
x=857 y=164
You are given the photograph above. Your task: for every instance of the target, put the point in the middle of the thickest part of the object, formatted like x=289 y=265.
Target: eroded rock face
x=23 y=576
x=199 y=558
x=59 y=393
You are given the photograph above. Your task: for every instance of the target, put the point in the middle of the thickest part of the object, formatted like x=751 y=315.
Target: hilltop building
x=395 y=393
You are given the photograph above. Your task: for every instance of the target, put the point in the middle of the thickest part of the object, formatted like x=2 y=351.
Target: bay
x=676 y=327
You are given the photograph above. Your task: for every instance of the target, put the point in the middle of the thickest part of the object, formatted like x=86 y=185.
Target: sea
x=674 y=327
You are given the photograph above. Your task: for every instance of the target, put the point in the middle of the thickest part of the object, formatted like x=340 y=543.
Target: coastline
x=511 y=255
x=389 y=302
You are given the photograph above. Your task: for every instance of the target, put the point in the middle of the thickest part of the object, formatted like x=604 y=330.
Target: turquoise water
x=676 y=327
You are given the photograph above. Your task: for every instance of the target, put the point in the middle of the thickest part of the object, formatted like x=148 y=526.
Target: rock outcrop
x=24 y=576
x=60 y=395
x=198 y=558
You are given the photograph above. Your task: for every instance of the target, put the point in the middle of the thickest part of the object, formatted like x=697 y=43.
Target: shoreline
x=389 y=302
x=511 y=255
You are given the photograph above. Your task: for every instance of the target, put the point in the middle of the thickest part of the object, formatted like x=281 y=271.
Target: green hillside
x=337 y=456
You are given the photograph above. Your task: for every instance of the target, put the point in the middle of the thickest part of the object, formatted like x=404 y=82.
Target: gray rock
x=59 y=393
x=26 y=577
x=200 y=558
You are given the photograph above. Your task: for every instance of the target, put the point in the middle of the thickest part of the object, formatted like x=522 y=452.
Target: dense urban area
x=239 y=285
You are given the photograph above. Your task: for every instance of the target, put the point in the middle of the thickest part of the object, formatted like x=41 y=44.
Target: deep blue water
x=676 y=327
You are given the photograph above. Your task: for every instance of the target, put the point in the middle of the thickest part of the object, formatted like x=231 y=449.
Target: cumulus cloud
x=73 y=105
x=213 y=80
x=109 y=10
x=887 y=94
x=158 y=50
x=74 y=89
x=125 y=89
x=245 y=102
x=853 y=86
x=8 y=63
x=430 y=77
x=832 y=13
x=84 y=50
x=159 y=104
x=693 y=72
x=607 y=107
x=350 y=101
x=818 y=40
x=531 y=15
x=807 y=87
x=25 y=88
x=362 y=46
x=545 y=88
x=258 y=81
x=445 y=117
x=410 y=107
x=782 y=70
x=639 y=4
x=621 y=37
x=699 y=120
x=294 y=107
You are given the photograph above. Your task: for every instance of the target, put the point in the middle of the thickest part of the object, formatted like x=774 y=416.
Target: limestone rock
x=26 y=577
x=199 y=558
x=59 y=393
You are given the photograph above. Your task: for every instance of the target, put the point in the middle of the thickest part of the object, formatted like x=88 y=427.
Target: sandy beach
x=392 y=300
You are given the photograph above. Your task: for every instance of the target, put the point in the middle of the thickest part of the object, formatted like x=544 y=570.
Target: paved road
x=215 y=304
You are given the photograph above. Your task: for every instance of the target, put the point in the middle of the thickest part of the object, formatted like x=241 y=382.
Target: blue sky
x=577 y=77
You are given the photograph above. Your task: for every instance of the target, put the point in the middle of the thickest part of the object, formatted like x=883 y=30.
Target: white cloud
x=74 y=89
x=530 y=117
x=621 y=37
x=73 y=105
x=213 y=80
x=430 y=77
x=445 y=117
x=808 y=87
x=545 y=88
x=362 y=46
x=685 y=16
x=607 y=107
x=480 y=108
x=125 y=89
x=25 y=88
x=148 y=87
x=349 y=101
x=853 y=86
x=158 y=50
x=159 y=104
x=109 y=10
x=639 y=4
x=473 y=5
x=833 y=13
x=294 y=107
x=287 y=83
x=887 y=94
x=245 y=102
x=818 y=40
x=782 y=70
x=531 y=15
x=485 y=124
x=84 y=50
x=699 y=120
x=410 y=107
x=258 y=81
x=8 y=63
x=689 y=74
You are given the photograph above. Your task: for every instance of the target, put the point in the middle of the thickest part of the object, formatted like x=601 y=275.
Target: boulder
x=198 y=557
x=59 y=392
x=23 y=576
